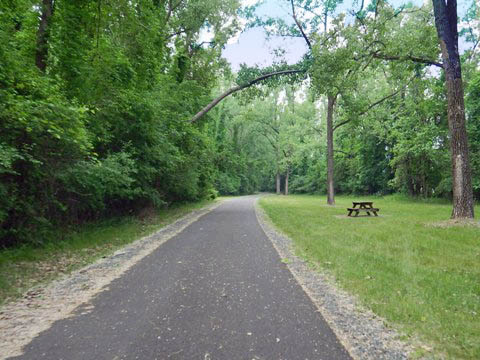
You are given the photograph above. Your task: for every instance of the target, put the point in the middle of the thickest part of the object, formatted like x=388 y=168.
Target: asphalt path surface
x=217 y=290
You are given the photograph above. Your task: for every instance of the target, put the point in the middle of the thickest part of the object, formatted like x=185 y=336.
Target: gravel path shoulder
x=23 y=320
x=217 y=290
x=364 y=334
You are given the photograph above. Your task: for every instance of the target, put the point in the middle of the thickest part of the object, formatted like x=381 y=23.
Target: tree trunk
x=446 y=24
x=41 y=53
x=278 y=183
x=286 y=182
x=411 y=186
x=330 y=179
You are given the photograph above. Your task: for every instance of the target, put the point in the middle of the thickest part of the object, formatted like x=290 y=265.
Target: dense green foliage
x=104 y=129
x=473 y=127
x=390 y=118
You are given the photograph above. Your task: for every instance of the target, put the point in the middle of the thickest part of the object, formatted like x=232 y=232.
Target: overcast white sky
x=252 y=47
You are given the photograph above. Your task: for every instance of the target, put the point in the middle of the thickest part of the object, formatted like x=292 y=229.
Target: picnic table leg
x=356 y=213
x=349 y=212
x=368 y=207
x=362 y=206
x=375 y=213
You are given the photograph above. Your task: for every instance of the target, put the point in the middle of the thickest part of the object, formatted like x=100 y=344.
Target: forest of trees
x=98 y=101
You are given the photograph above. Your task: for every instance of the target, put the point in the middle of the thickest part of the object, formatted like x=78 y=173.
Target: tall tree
x=445 y=12
x=385 y=46
x=320 y=10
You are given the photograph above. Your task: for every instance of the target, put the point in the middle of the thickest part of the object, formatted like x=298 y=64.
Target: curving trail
x=217 y=290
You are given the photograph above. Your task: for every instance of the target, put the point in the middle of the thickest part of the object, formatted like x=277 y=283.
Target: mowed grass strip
x=23 y=267
x=422 y=278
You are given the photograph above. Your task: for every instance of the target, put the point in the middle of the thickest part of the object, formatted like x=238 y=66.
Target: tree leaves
x=104 y=129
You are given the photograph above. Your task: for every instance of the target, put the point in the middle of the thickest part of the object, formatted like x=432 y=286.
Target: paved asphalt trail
x=217 y=290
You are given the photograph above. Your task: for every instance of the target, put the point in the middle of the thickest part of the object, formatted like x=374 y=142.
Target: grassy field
x=27 y=266
x=424 y=279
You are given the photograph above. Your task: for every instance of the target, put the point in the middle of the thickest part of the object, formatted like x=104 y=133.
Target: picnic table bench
x=363 y=206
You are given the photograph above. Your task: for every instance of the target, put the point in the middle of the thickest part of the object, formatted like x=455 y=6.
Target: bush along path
x=216 y=290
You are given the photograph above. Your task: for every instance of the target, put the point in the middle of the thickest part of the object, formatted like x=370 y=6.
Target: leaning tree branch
x=214 y=102
x=408 y=58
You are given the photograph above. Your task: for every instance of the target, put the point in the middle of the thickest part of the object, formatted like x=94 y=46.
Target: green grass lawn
x=424 y=279
x=29 y=265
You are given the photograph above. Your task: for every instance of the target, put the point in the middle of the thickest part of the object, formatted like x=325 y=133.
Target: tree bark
x=286 y=181
x=446 y=24
x=278 y=183
x=41 y=53
x=330 y=178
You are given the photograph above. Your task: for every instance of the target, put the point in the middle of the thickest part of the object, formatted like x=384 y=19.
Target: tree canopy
x=108 y=107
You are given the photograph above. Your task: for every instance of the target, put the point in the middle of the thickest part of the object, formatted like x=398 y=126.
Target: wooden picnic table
x=363 y=206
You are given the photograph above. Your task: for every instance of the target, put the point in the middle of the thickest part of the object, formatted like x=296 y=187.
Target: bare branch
x=241 y=87
x=361 y=7
x=300 y=26
x=342 y=123
x=178 y=32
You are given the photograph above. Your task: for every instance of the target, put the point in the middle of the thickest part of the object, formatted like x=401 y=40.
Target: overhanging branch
x=214 y=102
